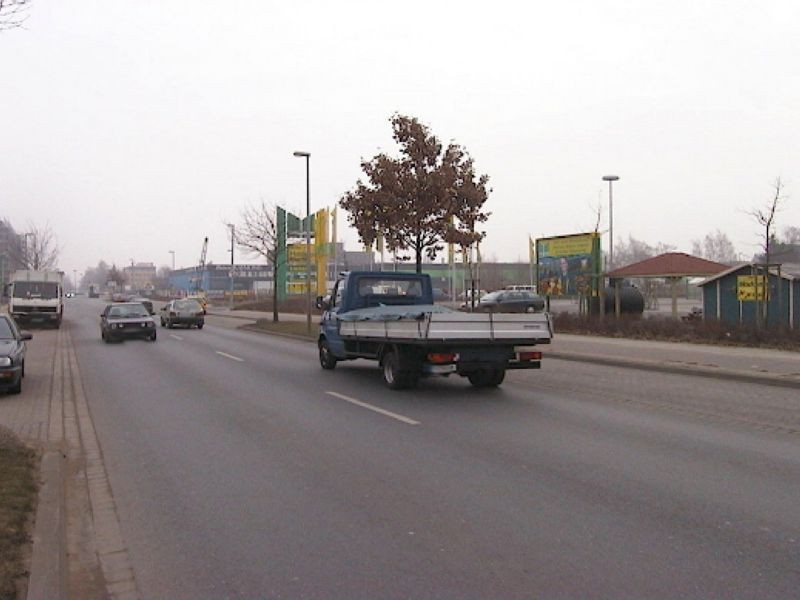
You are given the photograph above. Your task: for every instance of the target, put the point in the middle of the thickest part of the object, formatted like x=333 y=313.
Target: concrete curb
x=629 y=363
x=290 y=336
x=48 y=576
x=230 y=316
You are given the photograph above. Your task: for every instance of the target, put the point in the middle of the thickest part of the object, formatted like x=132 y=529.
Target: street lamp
x=233 y=240
x=74 y=280
x=307 y=156
x=173 y=258
x=610 y=179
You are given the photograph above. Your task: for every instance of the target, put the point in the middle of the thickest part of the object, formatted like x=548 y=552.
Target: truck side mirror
x=323 y=303
x=25 y=335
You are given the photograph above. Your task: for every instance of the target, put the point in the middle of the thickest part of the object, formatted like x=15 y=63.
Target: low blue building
x=735 y=295
x=215 y=280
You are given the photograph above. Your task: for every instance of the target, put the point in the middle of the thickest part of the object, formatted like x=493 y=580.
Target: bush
x=670 y=330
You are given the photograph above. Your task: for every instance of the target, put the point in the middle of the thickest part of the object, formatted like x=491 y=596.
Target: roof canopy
x=670 y=264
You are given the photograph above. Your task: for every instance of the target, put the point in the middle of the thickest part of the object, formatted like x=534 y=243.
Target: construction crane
x=198 y=279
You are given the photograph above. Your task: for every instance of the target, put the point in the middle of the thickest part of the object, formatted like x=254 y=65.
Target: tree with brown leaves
x=428 y=196
x=13 y=13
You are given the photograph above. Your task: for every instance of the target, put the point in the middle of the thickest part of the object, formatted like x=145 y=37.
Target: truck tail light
x=529 y=355
x=440 y=358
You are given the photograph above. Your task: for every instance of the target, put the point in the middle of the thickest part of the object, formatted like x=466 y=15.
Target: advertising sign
x=750 y=288
x=568 y=265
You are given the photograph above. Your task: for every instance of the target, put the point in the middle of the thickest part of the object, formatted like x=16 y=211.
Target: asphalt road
x=242 y=470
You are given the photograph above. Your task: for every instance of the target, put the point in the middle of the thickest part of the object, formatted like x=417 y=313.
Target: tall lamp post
x=172 y=252
x=307 y=156
x=233 y=240
x=610 y=179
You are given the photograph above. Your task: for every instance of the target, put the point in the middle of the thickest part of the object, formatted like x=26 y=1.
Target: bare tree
x=635 y=250
x=38 y=249
x=116 y=275
x=13 y=13
x=765 y=217
x=791 y=235
x=715 y=246
x=257 y=233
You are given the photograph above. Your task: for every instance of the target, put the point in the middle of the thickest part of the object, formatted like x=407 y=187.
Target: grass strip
x=299 y=328
x=18 y=490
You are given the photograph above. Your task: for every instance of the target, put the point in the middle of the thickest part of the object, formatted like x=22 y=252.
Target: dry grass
x=666 y=329
x=295 y=305
x=298 y=328
x=18 y=491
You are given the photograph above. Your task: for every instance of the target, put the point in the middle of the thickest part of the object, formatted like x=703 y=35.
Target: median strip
x=385 y=413
x=231 y=356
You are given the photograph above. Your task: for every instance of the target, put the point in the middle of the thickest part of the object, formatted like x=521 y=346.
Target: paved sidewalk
x=774 y=367
x=77 y=546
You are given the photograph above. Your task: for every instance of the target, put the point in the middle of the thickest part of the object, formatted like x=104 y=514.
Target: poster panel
x=568 y=265
x=750 y=288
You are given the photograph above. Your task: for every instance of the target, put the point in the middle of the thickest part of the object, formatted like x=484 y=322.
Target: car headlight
x=113 y=326
x=5 y=361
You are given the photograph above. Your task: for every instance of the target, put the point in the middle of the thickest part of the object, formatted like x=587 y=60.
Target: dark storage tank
x=631 y=300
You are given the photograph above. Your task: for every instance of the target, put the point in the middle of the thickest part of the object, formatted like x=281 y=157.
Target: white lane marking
x=177 y=337
x=374 y=408
x=231 y=356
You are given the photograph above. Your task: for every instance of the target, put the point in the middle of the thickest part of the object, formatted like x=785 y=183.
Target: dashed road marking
x=231 y=356
x=386 y=413
x=177 y=337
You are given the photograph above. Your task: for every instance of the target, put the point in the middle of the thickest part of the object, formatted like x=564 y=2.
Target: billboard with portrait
x=568 y=265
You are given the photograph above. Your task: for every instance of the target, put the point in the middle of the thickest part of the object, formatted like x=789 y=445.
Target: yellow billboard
x=572 y=245
x=750 y=288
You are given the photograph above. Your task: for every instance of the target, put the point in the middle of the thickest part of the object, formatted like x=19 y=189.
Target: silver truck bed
x=454 y=326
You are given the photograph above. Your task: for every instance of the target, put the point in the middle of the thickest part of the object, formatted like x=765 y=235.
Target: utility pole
x=610 y=179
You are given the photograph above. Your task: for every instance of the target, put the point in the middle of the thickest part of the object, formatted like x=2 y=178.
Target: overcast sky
x=136 y=128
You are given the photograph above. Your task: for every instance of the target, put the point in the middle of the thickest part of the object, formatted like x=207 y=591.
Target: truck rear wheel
x=326 y=358
x=487 y=378
x=393 y=376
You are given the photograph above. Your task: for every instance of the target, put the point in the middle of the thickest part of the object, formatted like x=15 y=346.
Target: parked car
x=521 y=288
x=511 y=301
x=439 y=295
x=123 y=320
x=12 y=355
x=187 y=312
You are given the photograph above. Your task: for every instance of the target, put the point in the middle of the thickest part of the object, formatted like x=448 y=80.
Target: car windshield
x=6 y=333
x=188 y=305
x=491 y=296
x=125 y=311
x=46 y=290
x=389 y=287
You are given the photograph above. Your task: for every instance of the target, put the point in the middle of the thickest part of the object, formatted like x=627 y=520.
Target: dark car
x=147 y=303
x=123 y=320
x=186 y=312
x=12 y=355
x=505 y=301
